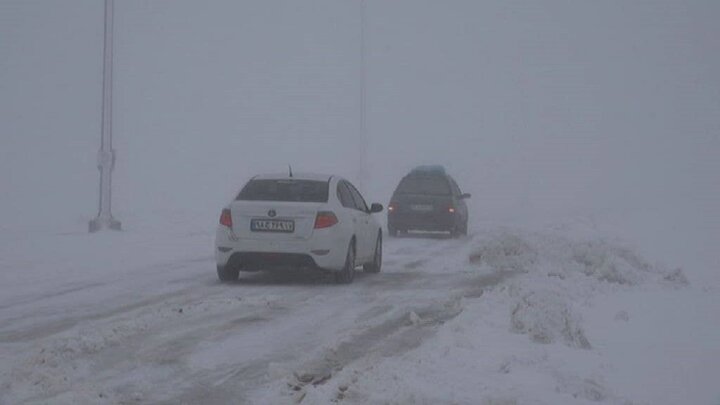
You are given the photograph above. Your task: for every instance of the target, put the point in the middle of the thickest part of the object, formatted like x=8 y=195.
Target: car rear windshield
x=424 y=185
x=285 y=190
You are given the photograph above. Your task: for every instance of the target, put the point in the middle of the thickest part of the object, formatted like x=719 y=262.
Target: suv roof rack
x=429 y=169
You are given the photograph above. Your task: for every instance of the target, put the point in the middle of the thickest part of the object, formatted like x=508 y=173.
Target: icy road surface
x=178 y=335
x=502 y=317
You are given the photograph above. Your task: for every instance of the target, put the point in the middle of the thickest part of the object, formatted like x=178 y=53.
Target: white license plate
x=421 y=207
x=272 y=225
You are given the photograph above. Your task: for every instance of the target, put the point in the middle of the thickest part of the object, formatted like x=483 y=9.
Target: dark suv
x=428 y=199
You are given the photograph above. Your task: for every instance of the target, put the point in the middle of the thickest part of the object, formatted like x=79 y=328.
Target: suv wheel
x=392 y=231
x=456 y=232
x=227 y=273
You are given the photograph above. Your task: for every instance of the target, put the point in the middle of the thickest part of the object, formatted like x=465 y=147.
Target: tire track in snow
x=56 y=294
x=231 y=383
x=53 y=327
x=40 y=308
x=167 y=342
x=395 y=336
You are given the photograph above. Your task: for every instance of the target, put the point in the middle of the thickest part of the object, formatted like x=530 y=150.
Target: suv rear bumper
x=439 y=222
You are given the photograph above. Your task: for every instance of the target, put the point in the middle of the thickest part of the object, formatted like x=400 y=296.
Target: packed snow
x=504 y=316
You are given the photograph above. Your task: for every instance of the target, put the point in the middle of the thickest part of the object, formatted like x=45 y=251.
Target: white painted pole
x=106 y=155
x=363 y=151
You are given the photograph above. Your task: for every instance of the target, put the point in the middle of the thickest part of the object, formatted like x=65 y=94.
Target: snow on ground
x=559 y=330
x=507 y=316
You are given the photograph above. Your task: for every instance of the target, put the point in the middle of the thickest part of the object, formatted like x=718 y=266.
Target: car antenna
x=290 y=170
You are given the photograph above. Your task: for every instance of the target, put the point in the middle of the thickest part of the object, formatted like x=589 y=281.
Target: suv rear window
x=285 y=190
x=424 y=185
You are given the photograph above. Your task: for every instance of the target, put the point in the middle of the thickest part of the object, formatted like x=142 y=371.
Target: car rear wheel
x=376 y=264
x=347 y=274
x=227 y=274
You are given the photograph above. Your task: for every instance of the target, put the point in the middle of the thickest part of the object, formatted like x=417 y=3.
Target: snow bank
x=505 y=252
x=522 y=340
x=547 y=318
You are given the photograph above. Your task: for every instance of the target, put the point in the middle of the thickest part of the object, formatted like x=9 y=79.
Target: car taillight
x=392 y=207
x=325 y=219
x=226 y=218
x=451 y=210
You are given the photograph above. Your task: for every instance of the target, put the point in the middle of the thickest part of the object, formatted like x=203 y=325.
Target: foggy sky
x=535 y=107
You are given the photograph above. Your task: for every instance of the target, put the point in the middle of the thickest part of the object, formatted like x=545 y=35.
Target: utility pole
x=106 y=155
x=362 y=168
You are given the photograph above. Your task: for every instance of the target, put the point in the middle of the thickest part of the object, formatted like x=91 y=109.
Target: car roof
x=295 y=176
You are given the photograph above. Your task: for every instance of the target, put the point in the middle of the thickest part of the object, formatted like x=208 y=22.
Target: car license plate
x=272 y=225
x=421 y=207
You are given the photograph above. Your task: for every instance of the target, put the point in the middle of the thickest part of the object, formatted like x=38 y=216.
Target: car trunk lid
x=274 y=220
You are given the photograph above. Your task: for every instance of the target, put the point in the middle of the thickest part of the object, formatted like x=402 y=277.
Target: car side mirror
x=465 y=196
x=375 y=208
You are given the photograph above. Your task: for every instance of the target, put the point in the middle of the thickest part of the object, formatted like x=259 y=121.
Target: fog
x=540 y=109
x=587 y=132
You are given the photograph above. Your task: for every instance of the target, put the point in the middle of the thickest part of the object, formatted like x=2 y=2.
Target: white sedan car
x=309 y=221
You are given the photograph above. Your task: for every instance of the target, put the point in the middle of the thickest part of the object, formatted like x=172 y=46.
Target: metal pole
x=106 y=155
x=362 y=171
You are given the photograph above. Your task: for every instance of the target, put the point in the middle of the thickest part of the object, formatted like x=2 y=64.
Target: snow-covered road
x=172 y=332
x=499 y=317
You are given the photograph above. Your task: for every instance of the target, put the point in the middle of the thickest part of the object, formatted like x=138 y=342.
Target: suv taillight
x=392 y=207
x=226 y=218
x=325 y=219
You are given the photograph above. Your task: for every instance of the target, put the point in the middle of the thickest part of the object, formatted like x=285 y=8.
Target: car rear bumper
x=323 y=250
x=256 y=261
